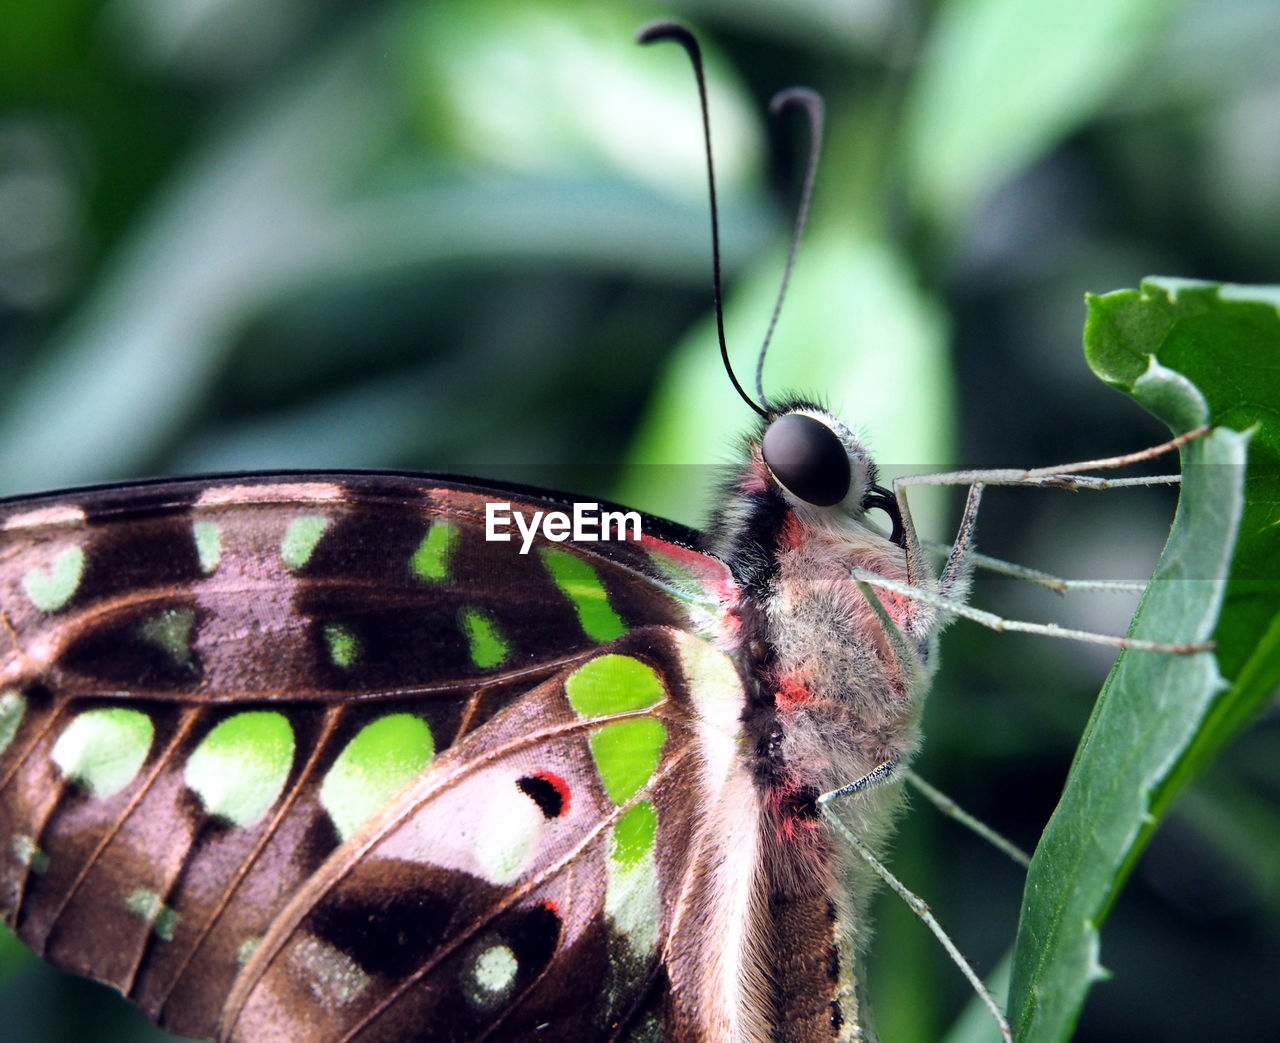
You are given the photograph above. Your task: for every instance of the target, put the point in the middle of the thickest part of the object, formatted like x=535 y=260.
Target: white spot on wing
x=716 y=692
x=148 y=906
x=631 y=901
x=721 y=907
x=246 y=950
x=63 y=514
x=25 y=851
x=492 y=974
x=276 y=492
x=497 y=838
x=333 y=976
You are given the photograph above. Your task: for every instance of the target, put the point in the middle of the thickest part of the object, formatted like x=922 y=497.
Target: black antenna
x=677 y=32
x=811 y=102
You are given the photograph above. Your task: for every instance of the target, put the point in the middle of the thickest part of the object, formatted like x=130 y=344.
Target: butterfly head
x=819 y=467
x=805 y=472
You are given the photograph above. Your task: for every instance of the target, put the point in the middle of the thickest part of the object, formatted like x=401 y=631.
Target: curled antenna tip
x=811 y=102
x=666 y=30
x=802 y=97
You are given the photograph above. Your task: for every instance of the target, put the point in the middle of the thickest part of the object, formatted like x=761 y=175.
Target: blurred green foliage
x=473 y=236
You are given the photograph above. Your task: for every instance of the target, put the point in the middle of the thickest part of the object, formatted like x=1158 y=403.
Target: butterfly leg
x=958 y=571
x=877 y=776
x=999 y=623
x=952 y=585
x=889 y=771
x=949 y=593
x=909 y=653
x=1058 y=584
x=954 y=811
x=962 y=559
x=921 y=908
x=953 y=582
x=1063 y=476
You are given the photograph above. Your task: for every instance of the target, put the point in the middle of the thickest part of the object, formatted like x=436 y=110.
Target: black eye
x=808 y=458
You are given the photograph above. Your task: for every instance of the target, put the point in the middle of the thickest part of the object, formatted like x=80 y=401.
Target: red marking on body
x=790 y=693
x=794 y=815
x=755 y=479
x=898 y=606
x=561 y=787
x=552 y=906
x=728 y=594
x=792 y=534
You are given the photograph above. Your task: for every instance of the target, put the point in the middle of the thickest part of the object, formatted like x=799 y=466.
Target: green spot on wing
x=578 y=581
x=170 y=631
x=239 y=769
x=634 y=833
x=208 y=539
x=344 y=646
x=626 y=754
x=13 y=705
x=26 y=852
x=381 y=760
x=610 y=684
x=147 y=905
x=631 y=897
x=487 y=646
x=300 y=540
x=246 y=950
x=166 y=921
x=432 y=559
x=102 y=750
x=52 y=587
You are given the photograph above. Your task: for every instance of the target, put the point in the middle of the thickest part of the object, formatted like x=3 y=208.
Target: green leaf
x=1005 y=80
x=1190 y=353
x=1226 y=340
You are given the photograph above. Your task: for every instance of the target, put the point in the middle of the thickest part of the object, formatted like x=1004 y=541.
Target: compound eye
x=808 y=459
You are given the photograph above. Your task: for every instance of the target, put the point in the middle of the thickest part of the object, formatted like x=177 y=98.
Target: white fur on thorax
x=864 y=701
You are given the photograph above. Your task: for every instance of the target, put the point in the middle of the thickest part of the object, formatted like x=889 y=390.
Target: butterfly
x=384 y=755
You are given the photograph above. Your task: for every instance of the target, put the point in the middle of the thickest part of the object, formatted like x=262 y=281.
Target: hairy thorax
x=846 y=693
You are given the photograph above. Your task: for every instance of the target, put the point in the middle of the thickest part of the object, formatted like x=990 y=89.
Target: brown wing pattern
x=522 y=888
x=209 y=691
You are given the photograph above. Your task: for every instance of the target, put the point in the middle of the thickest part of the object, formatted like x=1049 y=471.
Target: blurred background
x=472 y=235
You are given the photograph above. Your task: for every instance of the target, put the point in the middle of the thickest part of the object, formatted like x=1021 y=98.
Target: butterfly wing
x=228 y=709
x=523 y=887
